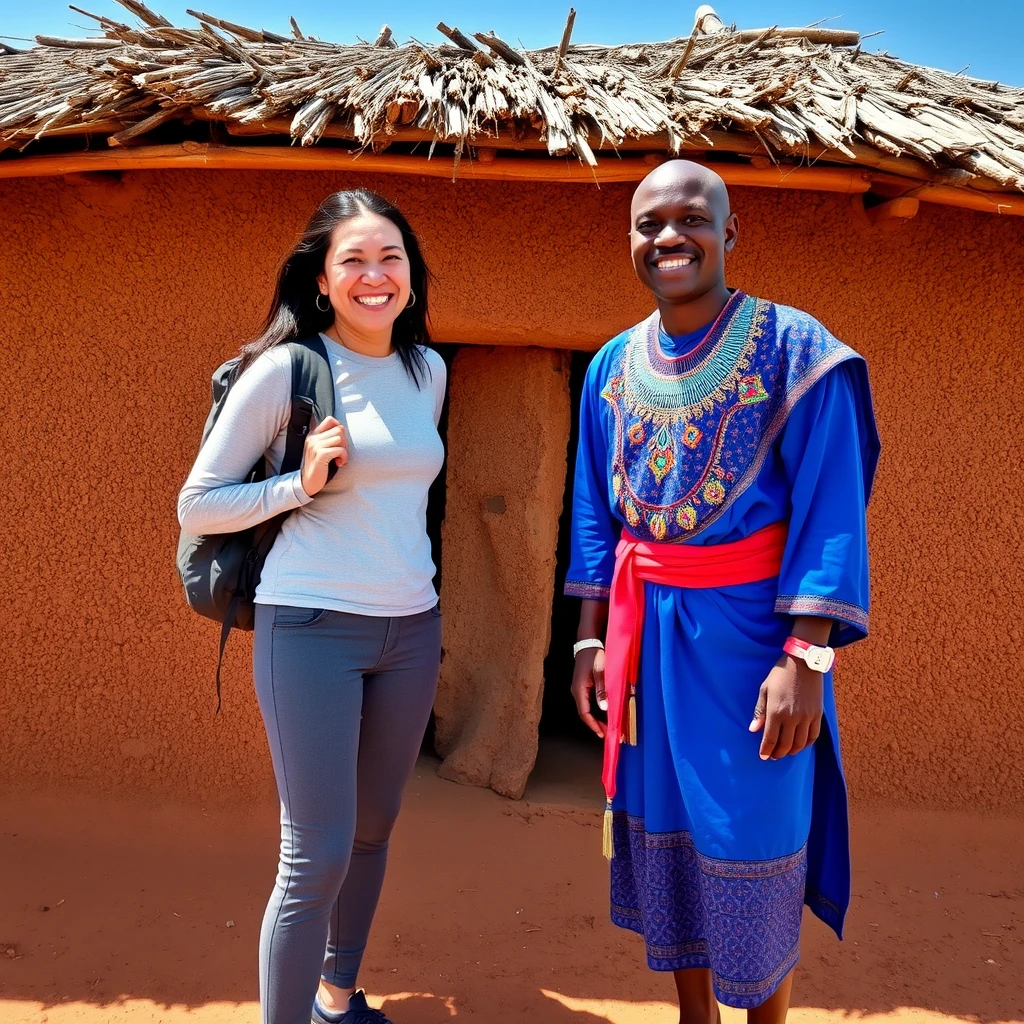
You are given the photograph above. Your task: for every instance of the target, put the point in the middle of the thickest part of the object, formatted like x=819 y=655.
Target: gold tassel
x=606 y=833
x=631 y=718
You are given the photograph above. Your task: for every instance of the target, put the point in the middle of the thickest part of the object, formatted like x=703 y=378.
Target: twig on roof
x=680 y=65
x=95 y=17
x=563 y=46
x=500 y=47
x=78 y=44
x=460 y=40
x=144 y=14
x=249 y=34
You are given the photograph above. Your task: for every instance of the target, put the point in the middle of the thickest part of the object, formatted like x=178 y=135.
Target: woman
x=348 y=631
x=727 y=449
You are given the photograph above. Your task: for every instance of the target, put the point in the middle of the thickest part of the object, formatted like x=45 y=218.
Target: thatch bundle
x=804 y=94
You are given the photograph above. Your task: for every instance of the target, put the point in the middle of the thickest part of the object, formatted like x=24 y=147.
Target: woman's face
x=366 y=274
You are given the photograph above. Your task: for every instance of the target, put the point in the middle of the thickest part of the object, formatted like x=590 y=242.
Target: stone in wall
x=507 y=434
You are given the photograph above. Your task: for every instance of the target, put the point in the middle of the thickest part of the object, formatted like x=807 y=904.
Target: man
x=727 y=449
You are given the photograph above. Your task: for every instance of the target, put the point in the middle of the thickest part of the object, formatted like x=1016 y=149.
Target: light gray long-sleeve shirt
x=360 y=545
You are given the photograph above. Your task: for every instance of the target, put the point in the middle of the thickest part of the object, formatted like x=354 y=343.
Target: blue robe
x=761 y=418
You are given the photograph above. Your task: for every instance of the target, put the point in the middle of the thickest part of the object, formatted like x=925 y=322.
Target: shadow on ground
x=493 y=909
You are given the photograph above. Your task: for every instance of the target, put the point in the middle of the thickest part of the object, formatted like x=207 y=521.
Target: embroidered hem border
x=590 y=591
x=795 y=604
x=826 y=910
x=740 y=919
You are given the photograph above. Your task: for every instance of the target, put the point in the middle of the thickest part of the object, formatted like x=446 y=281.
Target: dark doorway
x=569 y=758
x=558 y=717
x=436 y=500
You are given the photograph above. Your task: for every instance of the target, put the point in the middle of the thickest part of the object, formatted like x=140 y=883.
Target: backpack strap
x=312 y=396
x=225 y=632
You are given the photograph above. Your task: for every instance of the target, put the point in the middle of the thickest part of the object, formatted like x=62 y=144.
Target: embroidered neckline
x=667 y=390
x=674 y=366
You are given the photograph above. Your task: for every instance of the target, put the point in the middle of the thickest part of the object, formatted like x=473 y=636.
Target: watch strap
x=582 y=645
x=820 y=659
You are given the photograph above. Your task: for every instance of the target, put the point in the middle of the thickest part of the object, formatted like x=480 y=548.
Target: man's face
x=681 y=231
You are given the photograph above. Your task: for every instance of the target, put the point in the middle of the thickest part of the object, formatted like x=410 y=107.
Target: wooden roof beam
x=708 y=141
x=708 y=23
x=848 y=180
x=213 y=156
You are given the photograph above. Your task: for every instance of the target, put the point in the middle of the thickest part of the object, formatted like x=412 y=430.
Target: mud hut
x=151 y=177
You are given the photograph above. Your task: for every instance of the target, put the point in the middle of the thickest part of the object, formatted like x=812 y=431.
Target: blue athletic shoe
x=358 y=1012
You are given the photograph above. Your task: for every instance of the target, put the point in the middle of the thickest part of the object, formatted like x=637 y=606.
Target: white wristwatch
x=819 y=659
x=583 y=645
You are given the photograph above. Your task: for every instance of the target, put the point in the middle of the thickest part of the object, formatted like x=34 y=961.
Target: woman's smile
x=376 y=301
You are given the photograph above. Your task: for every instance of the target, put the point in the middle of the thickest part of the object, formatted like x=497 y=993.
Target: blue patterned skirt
x=716 y=851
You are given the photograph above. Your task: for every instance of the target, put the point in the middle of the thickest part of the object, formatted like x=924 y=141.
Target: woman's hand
x=788 y=708
x=324 y=445
x=587 y=676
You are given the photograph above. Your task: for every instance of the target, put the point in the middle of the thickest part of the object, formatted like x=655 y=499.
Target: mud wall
x=507 y=432
x=119 y=299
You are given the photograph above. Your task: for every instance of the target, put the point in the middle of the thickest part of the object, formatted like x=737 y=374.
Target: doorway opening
x=569 y=756
x=436 y=500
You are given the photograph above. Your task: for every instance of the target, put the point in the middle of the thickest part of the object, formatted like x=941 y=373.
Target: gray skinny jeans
x=345 y=700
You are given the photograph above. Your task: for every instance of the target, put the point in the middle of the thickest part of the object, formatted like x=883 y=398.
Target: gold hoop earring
x=319 y=296
x=412 y=299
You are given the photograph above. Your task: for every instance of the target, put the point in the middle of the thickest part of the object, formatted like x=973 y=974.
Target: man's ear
x=732 y=232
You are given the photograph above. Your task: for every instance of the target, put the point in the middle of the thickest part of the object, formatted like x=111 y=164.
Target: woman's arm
x=439 y=379
x=214 y=499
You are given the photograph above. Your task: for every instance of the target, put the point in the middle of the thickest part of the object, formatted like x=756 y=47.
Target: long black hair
x=293 y=310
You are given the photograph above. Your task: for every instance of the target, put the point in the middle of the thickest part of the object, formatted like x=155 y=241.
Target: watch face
x=819 y=658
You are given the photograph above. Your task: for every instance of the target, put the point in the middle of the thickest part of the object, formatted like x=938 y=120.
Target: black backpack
x=220 y=572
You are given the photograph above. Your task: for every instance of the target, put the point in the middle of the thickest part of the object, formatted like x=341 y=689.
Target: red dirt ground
x=493 y=910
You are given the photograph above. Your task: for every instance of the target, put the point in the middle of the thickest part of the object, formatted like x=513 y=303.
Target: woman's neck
x=377 y=346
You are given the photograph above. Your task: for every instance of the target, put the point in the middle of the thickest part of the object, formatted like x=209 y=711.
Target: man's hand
x=587 y=676
x=789 y=708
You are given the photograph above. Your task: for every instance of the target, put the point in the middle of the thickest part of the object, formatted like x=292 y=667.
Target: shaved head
x=682 y=227
x=684 y=177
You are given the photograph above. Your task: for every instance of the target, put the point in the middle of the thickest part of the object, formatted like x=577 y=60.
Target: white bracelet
x=583 y=645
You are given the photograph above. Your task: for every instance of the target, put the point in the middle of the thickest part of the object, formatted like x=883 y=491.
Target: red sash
x=757 y=557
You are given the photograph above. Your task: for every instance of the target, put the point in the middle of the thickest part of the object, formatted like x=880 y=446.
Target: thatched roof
x=785 y=95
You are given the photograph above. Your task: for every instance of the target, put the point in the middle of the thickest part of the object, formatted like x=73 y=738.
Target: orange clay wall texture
x=119 y=299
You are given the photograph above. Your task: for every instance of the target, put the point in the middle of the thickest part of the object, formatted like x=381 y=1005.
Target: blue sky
x=940 y=33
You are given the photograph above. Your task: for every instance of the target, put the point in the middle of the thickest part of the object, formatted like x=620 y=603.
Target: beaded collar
x=666 y=390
